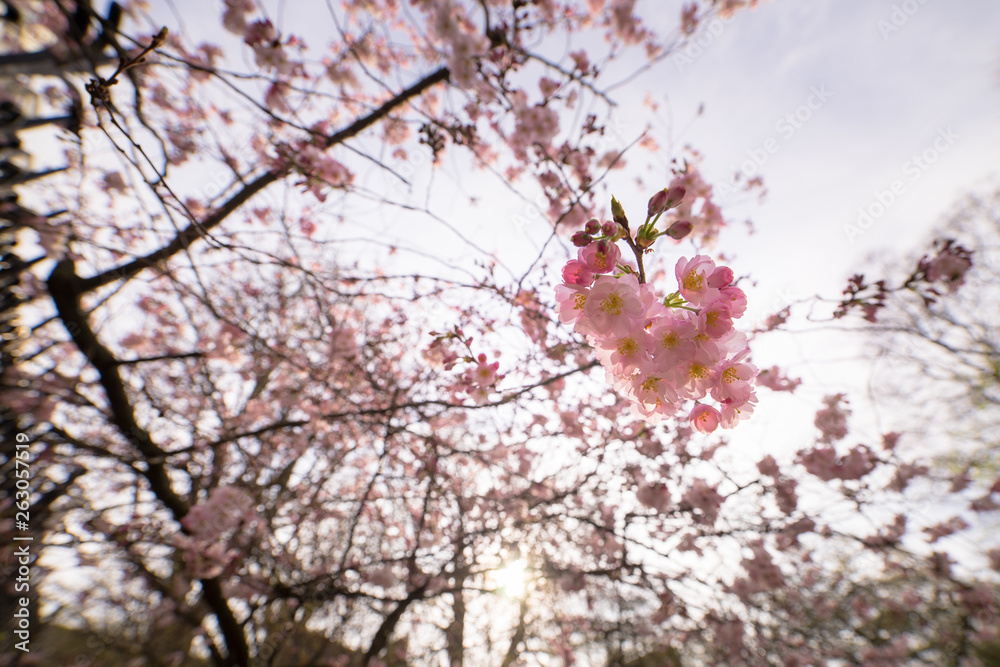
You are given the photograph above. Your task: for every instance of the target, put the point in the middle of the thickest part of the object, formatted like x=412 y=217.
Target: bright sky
x=892 y=91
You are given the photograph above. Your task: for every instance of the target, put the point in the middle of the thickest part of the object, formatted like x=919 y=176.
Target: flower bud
x=603 y=246
x=679 y=229
x=592 y=227
x=646 y=236
x=609 y=229
x=576 y=273
x=675 y=195
x=664 y=200
x=721 y=277
x=581 y=239
x=618 y=213
x=657 y=204
x=618 y=234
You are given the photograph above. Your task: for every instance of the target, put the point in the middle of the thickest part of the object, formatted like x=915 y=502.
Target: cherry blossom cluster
x=948 y=266
x=660 y=353
x=319 y=170
x=210 y=528
x=947 y=269
x=478 y=379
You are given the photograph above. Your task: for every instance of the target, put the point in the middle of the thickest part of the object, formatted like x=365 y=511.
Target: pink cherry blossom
x=692 y=277
x=570 y=302
x=613 y=306
x=734 y=412
x=660 y=356
x=715 y=320
x=775 y=380
x=721 y=277
x=485 y=374
x=536 y=124
x=234 y=18
x=832 y=420
x=624 y=355
x=673 y=339
x=705 y=418
x=734 y=380
x=696 y=374
x=577 y=273
x=597 y=261
x=653 y=397
x=824 y=463
x=655 y=496
x=735 y=299
x=950 y=267
x=704 y=497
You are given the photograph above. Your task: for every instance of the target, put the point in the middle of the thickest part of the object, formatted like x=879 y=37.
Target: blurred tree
x=941 y=355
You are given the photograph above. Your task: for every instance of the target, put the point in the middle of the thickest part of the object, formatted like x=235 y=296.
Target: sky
x=881 y=93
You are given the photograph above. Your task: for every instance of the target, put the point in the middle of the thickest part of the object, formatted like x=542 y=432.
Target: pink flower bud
x=664 y=200
x=592 y=227
x=679 y=229
x=609 y=229
x=657 y=203
x=721 y=277
x=576 y=273
x=581 y=239
x=675 y=196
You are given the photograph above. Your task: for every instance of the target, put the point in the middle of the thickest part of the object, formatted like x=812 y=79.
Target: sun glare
x=512 y=578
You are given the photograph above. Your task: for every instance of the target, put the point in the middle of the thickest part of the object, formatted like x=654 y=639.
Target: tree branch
x=65 y=287
x=195 y=230
x=518 y=637
x=381 y=638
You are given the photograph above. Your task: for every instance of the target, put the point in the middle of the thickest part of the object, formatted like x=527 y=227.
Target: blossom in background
x=832 y=420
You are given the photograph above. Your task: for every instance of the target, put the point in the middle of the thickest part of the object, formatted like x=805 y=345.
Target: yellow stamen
x=698 y=371
x=627 y=347
x=693 y=281
x=670 y=340
x=612 y=304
